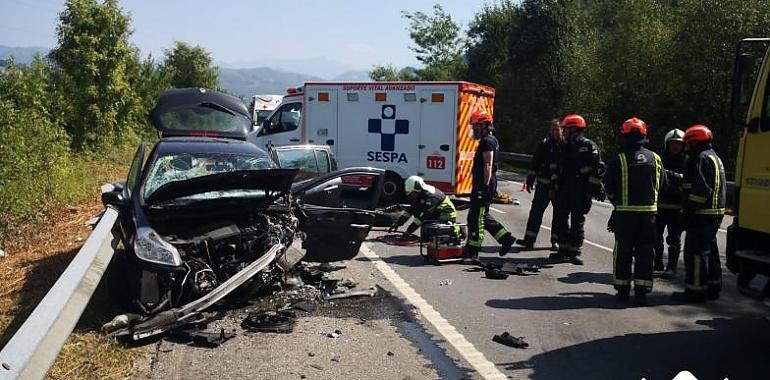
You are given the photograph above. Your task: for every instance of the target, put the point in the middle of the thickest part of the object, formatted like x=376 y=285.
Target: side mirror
x=114 y=198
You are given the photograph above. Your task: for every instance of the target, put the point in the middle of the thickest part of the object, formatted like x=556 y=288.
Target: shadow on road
x=727 y=348
x=574 y=301
x=587 y=278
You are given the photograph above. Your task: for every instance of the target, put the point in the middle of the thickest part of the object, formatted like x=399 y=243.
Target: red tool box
x=440 y=243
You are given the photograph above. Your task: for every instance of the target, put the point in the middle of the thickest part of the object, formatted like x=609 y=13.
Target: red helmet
x=481 y=116
x=698 y=132
x=573 y=120
x=634 y=124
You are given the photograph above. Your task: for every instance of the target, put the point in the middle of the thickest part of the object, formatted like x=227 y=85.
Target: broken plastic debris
x=445 y=282
x=269 y=322
x=334 y=335
x=516 y=202
x=509 y=340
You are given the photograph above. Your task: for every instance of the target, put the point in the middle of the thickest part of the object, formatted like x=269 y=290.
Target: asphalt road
x=568 y=315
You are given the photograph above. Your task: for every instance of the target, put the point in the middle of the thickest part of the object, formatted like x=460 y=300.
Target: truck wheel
x=392 y=188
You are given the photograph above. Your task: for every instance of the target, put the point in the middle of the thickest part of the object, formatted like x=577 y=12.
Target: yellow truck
x=748 y=238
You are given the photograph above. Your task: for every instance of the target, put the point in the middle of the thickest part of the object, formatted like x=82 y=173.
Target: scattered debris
x=399 y=239
x=496 y=274
x=334 y=335
x=510 y=341
x=281 y=322
x=2 y=253
x=201 y=338
x=335 y=359
x=316 y=366
x=516 y=202
x=306 y=306
x=328 y=267
x=390 y=353
x=371 y=292
x=310 y=354
x=445 y=282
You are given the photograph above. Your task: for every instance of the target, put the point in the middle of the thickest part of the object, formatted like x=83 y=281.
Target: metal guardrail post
x=32 y=350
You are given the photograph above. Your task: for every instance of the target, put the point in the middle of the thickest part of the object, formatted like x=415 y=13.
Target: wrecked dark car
x=208 y=217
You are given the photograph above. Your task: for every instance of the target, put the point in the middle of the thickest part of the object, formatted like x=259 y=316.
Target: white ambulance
x=406 y=128
x=262 y=106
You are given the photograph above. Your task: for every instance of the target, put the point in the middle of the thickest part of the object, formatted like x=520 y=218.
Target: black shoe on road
x=556 y=256
x=576 y=260
x=640 y=299
x=506 y=245
x=688 y=296
x=622 y=295
x=526 y=244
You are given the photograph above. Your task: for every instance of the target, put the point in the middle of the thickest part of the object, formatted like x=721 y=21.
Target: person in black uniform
x=670 y=204
x=483 y=188
x=632 y=182
x=703 y=207
x=577 y=180
x=426 y=203
x=544 y=164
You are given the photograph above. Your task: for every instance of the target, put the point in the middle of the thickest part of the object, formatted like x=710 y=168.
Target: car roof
x=176 y=145
x=177 y=99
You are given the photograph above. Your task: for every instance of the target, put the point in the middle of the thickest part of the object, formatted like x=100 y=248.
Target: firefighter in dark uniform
x=484 y=187
x=578 y=179
x=703 y=207
x=632 y=182
x=670 y=204
x=426 y=203
x=543 y=166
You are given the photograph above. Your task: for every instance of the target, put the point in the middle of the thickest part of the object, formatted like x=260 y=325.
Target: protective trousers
x=479 y=220
x=634 y=248
x=539 y=204
x=701 y=254
x=445 y=212
x=569 y=218
x=671 y=220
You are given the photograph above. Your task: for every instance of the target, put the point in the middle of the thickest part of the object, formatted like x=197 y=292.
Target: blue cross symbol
x=388 y=140
x=269 y=146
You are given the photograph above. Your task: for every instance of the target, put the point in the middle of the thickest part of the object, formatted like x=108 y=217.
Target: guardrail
x=34 y=347
x=519 y=159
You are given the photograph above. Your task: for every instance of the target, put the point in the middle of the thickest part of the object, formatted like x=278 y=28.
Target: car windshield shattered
x=180 y=167
x=203 y=117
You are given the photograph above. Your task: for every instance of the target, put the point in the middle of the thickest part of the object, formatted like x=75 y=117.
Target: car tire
x=392 y=188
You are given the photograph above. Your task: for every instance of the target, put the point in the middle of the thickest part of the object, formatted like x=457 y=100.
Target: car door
x=335 y=231
x=281 y=128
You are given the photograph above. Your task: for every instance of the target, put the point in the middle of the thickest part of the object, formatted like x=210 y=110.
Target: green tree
x=438 y=44
x=92 y=56
x=190 y=66
x=389 y=73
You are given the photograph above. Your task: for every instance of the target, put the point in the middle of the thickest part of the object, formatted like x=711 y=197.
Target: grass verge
x=38 y=250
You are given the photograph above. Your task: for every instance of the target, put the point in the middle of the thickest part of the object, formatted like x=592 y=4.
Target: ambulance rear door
x=321 y=116
x=378 y=127
x=438 y=125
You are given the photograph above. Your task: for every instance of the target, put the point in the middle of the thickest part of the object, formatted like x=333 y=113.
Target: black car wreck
x=207 y=216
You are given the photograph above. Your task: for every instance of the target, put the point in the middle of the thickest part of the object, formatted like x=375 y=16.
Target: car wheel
x=392 y=188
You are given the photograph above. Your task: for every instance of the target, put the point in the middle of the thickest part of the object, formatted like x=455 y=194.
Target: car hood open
x=269 y=180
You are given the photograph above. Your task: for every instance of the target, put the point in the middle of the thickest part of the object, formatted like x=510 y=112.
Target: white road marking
x=475 y=358
x=496 y=210
x=586 y=241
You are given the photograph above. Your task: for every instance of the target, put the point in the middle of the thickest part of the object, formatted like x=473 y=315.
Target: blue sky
x=242 y=33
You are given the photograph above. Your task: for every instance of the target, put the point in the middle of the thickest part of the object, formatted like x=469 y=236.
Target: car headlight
x=149 y=246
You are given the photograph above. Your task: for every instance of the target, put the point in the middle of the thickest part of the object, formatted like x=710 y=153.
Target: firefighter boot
x=712 y=292
x=640 y=299
x=525 y=243
x=624 y=293
x=506 y=244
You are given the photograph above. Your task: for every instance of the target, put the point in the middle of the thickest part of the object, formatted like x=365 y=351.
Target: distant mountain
x=353 y=76
x=260 y=80
x=318 y=67
x=22 y=55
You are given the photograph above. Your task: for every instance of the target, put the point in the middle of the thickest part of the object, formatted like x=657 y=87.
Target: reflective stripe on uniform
x=711 y=211
x=645 y=283
x=696 y=198
x=687 y=185
x=417 y=221
x=500 y=233
x=480 y=232
x=624 y=206
x=715 y=196
x=621 y=282
x=595 y=181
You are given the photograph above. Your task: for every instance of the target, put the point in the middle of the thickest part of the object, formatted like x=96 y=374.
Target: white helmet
x=673 y=135
x=416 y=183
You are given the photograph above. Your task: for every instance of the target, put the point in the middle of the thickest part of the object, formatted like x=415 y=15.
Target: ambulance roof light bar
x=294 y=90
